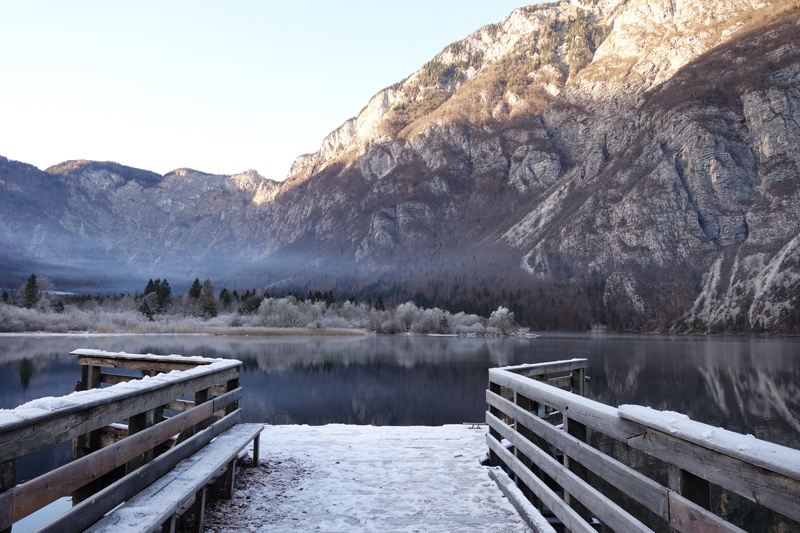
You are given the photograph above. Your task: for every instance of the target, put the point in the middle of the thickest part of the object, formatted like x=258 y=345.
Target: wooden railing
x=114 y=431
x=522 y=398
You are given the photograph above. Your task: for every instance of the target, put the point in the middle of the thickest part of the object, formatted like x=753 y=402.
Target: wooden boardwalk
x=365 y=478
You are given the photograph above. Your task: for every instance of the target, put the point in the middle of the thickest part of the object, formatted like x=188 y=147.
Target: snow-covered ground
x=366 y=478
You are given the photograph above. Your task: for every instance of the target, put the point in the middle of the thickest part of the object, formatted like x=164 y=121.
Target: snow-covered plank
x=150 y=508
x=595 y=415
x=768 y=488
x=526 y=510
x=159 y=363
x=747 y=448
x=48 y=421
x=530 y=369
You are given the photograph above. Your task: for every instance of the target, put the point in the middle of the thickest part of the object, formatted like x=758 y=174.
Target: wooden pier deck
x=365 y=478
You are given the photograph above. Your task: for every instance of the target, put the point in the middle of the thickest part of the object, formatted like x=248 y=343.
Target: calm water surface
x=749 y=385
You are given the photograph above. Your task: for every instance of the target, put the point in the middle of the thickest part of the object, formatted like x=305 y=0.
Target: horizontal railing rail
x=695 y=454
x=116 y=429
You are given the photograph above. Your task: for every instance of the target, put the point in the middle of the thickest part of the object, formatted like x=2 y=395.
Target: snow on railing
x=551 y=463
x=122 y=426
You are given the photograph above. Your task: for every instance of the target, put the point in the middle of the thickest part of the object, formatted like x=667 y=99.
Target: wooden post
x=525 y=403
x=690 y=486
x=202 y=396
x=231 y=385
x=230 y=479
x=83 y=445
x=8 y=478
x=256 y=450
x=169 y=525
x=577 y=430
x=136 y=424
x=494 y=460
x=199 y=510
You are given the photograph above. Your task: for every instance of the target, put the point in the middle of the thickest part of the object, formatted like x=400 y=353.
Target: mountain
x=629 y=163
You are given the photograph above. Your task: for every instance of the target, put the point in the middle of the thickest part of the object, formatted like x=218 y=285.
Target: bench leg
x=199 y=510
x=169 y=525
x=255 y=449
x=230 y=478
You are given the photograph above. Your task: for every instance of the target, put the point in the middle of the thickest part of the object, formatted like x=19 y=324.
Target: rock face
x=647 y=148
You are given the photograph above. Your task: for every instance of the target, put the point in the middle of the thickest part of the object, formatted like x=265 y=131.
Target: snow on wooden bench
x=160 y=502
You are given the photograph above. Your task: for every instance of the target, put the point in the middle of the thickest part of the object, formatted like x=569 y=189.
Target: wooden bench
x=158 y=505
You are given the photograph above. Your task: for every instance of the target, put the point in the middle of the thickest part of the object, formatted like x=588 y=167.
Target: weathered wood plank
x=117 y=378
x=767 y=455
x=47 y=488
x=90 y=511
x=137 y=364
x=547 y=368
x=564 y=512
x=606 y=510
x=560 y=382
x=163 y=498
x=595 y=415
x=688 y=517
x=641 y=488
x=770 y=489
x=20 y=438
x=179 y=405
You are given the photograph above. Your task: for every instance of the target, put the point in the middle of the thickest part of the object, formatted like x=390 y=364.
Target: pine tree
x=194 y=290
x=30 y=294
x=5 y=297
x=149 y=288
x=379 y=304
x=225 y=299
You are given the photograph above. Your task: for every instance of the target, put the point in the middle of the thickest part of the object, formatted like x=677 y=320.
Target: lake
x=745 y=384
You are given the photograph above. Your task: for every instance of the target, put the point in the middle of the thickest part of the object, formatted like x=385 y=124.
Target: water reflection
x=750 y=385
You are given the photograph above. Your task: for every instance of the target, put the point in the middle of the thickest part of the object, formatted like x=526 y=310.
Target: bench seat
x=159 y=503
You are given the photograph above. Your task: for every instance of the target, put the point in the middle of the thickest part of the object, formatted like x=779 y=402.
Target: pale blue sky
x=216 y=86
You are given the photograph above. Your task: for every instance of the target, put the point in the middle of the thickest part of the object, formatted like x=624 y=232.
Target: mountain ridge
x=632 y=164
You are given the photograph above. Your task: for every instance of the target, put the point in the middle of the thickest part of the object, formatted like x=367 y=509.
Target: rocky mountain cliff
x=629 y=163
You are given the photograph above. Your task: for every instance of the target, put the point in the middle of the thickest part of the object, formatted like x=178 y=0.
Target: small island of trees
x=157 y=309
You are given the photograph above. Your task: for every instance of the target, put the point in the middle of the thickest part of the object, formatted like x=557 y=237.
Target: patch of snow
x=124 y=355
x=365 y=478
x=747 y=448
x=49 y=407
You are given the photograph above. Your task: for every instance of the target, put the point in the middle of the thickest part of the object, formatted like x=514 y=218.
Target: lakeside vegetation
x=201 y=310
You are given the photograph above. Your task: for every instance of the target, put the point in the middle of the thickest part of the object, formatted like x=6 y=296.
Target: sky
x=220 y=87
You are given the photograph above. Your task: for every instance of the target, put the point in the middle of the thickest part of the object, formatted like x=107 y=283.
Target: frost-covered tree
x=30 y=294
x=208 y=306
x=502 y=319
